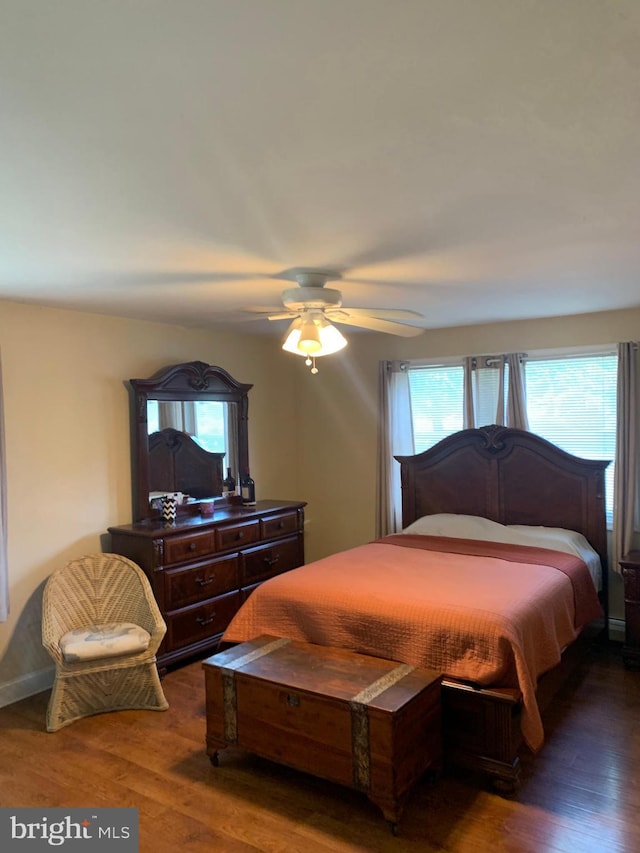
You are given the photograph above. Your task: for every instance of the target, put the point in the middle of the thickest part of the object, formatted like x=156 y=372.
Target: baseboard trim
x=616 y=630
x=26 y=685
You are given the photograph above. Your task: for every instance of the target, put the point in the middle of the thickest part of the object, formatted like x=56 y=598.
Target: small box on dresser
x=630 y=565
x=203 y=568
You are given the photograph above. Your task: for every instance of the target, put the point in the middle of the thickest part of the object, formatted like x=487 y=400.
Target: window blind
x=437 y=403
x=571 y=401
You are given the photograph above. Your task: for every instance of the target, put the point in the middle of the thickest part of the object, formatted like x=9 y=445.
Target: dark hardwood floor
x=579 y=795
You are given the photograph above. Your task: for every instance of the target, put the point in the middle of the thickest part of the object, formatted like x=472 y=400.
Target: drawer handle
x=205 y=581
x=271 y=561
x=239 y=535
x=293 y=701
x=281 y=524
x=204 y=622
x=192 y=546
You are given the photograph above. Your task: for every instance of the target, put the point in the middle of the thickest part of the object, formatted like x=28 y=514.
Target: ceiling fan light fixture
x=331 y=338
x=313 y=336
x=309 y=342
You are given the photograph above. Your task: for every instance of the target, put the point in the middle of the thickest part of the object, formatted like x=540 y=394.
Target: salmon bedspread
x=488 y=613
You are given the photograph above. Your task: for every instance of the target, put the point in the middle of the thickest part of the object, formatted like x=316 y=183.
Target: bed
x=499 y=580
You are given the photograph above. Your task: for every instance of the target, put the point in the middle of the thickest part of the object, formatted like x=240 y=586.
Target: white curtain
x=4 y=574
x=469 y=420
x=177 y=414
x=516 y=393
x=484 y=391
x=627 y=469
x=231 y=439
x=395 y=438
x=170 y=414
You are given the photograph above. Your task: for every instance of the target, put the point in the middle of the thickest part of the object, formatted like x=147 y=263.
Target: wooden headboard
x=510 y=476
x=178 y=464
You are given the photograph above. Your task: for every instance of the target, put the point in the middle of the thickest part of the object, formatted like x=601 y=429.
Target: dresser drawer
x=279 y=525
x=631 y=583
x=267 y=561
x=201 y=620
x=237 y=535
x=204 y=567
x=195 y=583
x=177 y=549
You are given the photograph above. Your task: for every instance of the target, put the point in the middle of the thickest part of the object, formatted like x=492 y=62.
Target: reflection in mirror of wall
x=189 y=424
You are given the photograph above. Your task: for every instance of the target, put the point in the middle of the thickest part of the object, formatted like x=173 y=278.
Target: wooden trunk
x=360 y=721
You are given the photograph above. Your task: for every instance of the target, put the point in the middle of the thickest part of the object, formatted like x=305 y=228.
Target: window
x=153 y=416
x=204 y=420
x=570 y=401
x=211 y=425
x=437 y=403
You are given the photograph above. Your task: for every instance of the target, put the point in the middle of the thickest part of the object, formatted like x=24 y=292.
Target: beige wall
x=312 y=438
x=67 y=443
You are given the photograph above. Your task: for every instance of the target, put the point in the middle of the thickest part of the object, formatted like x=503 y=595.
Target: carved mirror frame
x=193 y=380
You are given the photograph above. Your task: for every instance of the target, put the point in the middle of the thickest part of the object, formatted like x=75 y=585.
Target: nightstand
x=630 y=565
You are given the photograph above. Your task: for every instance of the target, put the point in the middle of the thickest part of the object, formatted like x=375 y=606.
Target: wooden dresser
x=202 y=569
x=630 y=565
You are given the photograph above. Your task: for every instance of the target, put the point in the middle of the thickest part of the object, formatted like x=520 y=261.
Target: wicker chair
x=87 y=604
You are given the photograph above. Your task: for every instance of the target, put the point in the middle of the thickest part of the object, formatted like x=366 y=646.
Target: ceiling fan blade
x=263 y=309
x=268 y=313
x=379 y=325
x=284 y=315
x=381 y=313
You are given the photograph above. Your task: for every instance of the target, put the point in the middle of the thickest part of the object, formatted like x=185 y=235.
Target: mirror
x=189 y=424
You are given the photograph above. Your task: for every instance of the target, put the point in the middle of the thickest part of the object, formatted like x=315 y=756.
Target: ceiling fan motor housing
x=300 y=298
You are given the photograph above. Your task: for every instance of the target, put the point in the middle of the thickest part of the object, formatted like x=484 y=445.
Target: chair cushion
x=104 y=641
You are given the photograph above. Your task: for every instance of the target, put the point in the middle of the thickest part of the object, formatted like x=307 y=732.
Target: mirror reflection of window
x=153 y=416
x=211 y=423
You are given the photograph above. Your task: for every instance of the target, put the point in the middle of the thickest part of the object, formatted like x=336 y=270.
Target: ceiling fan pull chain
x=309 y=361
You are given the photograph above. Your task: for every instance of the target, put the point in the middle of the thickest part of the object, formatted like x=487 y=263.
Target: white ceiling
x=475 y=160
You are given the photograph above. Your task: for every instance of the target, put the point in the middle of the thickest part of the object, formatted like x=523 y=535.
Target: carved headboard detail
x=510 y=476
x=177 y=463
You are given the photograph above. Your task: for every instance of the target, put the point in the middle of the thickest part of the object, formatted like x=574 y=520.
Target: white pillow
x=486 y=530
x=458 y=526
x=559 y=539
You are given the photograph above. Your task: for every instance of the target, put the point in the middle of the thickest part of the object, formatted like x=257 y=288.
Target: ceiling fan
x=313 y=308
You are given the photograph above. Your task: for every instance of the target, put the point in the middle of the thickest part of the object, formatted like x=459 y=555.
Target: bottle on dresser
x=228 y=485
x=248 y=489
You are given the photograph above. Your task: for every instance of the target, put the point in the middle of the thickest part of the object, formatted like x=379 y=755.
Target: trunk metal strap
x=360 y=723
x=229 y=702
x=383 y=683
